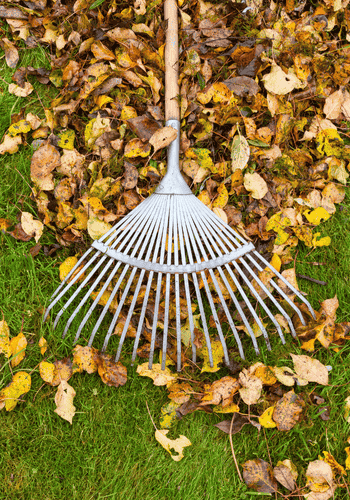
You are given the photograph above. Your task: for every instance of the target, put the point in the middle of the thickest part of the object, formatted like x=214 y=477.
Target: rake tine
x=187 y=288
x=159 y=283
x=138 y=286
x=177 y=292
x=196 y=286
x=150 y=277
x=261 y=302
x=167 y=283
x=97 y=299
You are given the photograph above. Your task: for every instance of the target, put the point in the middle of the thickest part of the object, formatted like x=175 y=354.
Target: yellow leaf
x=222 y=199
x=84 y=359
x=135 y=147
x=232 y=408
x=43 y=345
x=172 y=444
x=21 y=127
x=276 y=262
x=317 y=216
x=47 y=371
x=66 y=139
x=67 y=266
x=329 y=142
x=347 y=461
x=204 y=198
x=19 y=385
x=18 y=346
x=218 y=354
x=266 y=418
x=97 y=228
x=329 y=459
x=322 y=242
x=64 y=401
x=168 y=414
x=5 y=339
x=159 y=376
x=127 y=113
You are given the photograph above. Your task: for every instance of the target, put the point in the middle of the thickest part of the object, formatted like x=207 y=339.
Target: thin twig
x=319 y=282
x=150 y=416
x=233 y=451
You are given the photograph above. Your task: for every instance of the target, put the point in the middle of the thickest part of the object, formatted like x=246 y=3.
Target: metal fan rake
x=175 y=250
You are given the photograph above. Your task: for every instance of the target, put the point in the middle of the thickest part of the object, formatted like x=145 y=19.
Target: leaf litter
x=248 y=134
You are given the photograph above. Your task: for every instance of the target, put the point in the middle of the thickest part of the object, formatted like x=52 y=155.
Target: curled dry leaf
x=320 y=480
x=32 y=227
x=163 y=137
x=159 y=376
x=64 y=401
x=258 y=475
x=177 y=445
x=310 y=369
x=9 y=395
x=288 y=411
x=18 y=346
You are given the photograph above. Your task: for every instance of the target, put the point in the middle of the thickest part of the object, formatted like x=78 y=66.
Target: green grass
x=110 y=451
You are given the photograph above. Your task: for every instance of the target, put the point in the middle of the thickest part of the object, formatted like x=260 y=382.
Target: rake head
x=168 y=253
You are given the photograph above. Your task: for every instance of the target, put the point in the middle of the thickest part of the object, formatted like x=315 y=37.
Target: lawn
x=109 y=452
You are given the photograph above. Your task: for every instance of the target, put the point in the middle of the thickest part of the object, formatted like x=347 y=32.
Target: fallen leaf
x=130 y=176
x=47 y=371
x=286 y=474
x=251 y=388
x=163 y=137
x=221 y=391
x=281 y=83
x=18 y=346
x=159 y=376
x=112 y=374
x=64 y=401
x=240 y=152
x=9 y=395
x=172 y=444
x=329 y=459
x=310 y=369
x=288 y=411
x=10 y=144
x=44 y=161
x=19 y=91
x=319 y=476
x=84 y=359
x=97 y=228
x=63 y=371
x=33 y=228
x=238 y=422
x=258 y=475
x=43 y=345
x=217 y=353
x=11 y=53
x=265 y=419
x=256 y=185
x=5 y=339
x=168 y=414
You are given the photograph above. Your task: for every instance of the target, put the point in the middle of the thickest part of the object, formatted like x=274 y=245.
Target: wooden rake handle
x=171 y=61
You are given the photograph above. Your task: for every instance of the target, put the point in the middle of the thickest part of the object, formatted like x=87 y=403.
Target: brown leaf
x=242 y=86
x=43 y=162
x=143 y=126
x=131 y=199
x=288 y=411
x=130 y=177
x=11 y=53
x=63 y=371
x=238 y=422
x=19 y=234
x=221 y=391
x=112 y=373
x=258 y=475
x=285 y=476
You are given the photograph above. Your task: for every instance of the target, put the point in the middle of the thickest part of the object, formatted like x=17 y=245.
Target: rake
x=172 y=251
